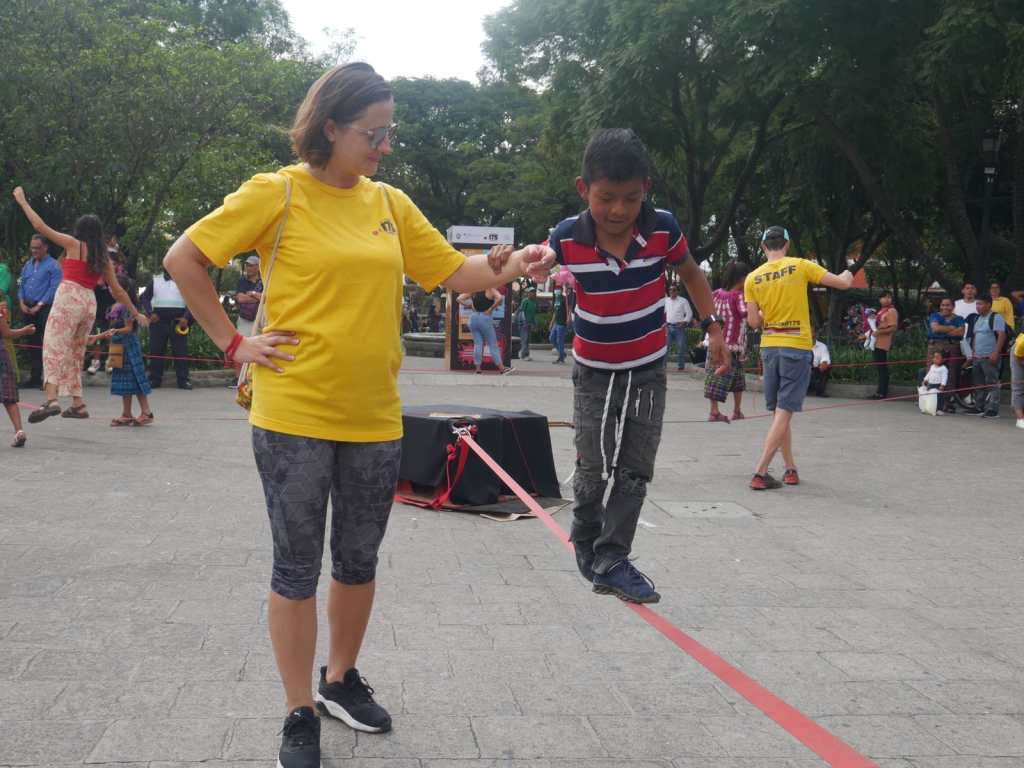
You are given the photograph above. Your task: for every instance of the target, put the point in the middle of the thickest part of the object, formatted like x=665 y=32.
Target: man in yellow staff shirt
x=776 y=296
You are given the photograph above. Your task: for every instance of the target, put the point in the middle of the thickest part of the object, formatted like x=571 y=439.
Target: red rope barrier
x=824 y=744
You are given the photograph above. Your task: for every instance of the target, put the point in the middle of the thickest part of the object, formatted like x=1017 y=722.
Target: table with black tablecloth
x=518 y=440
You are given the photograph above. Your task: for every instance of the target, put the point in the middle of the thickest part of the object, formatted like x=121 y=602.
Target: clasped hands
x=533 y=261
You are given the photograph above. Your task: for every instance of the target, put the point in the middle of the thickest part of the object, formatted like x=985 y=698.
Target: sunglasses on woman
x=378 y=136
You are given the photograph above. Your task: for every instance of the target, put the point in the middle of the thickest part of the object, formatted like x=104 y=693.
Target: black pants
x=35 y=353
x=881 y=358
x=159 y=334
x=819 y=380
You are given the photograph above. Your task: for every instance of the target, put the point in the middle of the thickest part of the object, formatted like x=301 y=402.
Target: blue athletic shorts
x=787 y=373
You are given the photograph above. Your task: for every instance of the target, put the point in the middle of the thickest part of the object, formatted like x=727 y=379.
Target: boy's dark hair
x=341 y=94
x=985 y=297
x=885 y=295
x=89 y=230
x=126 y=283
x=615 y=154
x=41 y=239
x=735 y=272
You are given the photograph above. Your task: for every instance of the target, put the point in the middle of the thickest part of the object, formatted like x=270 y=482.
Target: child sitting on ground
x=130 y=379
x=8 y=376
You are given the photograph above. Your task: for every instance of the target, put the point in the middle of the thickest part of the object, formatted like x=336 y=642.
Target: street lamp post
x=990 y=152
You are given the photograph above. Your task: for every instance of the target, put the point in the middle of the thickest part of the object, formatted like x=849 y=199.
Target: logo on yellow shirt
x=388 y=227
x=778 y=274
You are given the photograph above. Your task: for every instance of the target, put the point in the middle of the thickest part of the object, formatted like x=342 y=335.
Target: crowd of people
x=977 y=334
x=338 y=261
x=61 y=323
x=971 y=345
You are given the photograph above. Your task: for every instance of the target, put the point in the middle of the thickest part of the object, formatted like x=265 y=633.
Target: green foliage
x=857 y=124
x=475 y=155
x=145 y=112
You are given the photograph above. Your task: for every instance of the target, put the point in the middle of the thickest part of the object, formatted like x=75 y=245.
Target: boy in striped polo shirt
x=619 y=250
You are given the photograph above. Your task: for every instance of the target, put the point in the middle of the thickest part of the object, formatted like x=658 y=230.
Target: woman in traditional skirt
x=85 y=263
x=9 y=374
x=130 y=380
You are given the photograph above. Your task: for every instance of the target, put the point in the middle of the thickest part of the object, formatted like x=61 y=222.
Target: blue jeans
x=557 y=339
x=482 y=327
x=677 y=335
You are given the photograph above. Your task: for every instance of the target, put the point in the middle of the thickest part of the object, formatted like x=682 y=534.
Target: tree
x=471 y=154
x=932 y=72
x=153 y=97
x=672 y=70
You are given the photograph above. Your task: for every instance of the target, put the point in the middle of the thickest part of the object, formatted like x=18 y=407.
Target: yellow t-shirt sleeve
x=429 y=258
x=1018 y=347
x=245 y=221
x=813 y=272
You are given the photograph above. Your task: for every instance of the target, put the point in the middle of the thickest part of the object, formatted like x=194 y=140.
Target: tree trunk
x=901 y=230
x=956 y=201
x=1017 y=274
x=739 y=190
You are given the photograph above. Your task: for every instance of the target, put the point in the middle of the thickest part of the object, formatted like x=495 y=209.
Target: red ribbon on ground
x=824 y=744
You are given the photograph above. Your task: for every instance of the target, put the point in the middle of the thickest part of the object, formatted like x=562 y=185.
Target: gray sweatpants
x=985 y=374
x=617 y=437
x=1016 y=381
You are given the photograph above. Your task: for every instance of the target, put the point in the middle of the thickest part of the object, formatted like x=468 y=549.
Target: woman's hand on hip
x=263 y=349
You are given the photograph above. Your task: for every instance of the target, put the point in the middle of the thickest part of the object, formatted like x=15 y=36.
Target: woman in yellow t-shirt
x=326 y=414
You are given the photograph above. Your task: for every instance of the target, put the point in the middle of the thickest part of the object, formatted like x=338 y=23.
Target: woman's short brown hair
x=341 y=94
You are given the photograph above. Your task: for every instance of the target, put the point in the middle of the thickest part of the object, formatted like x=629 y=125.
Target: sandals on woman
x=123 y=421
x=75 y=412
x=143 y=420
x=19 y=439
x=52 y=408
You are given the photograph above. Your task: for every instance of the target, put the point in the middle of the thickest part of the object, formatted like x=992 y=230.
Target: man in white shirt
x=678 y=315
x=820 y=364
x=968 y=305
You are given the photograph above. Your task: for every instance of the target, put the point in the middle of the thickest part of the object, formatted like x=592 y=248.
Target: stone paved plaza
x=883 y=598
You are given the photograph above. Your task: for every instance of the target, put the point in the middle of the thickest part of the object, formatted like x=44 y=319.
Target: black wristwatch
x=707 y=321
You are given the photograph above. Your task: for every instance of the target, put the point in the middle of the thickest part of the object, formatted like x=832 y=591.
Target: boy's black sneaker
x=300 y=743
x=351 y=701
x=585 y=558
x=627 y=583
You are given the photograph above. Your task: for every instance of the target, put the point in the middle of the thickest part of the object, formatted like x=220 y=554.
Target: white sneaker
x=1020 y=423
x=94 y=367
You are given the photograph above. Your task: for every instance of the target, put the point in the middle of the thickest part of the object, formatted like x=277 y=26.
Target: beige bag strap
x=257 y=324
x=394 y=219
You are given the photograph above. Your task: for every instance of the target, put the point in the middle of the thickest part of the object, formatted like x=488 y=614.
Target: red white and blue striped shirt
x=620 y=307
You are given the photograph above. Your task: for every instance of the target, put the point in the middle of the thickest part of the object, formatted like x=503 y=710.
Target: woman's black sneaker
x=351 y=701
x=300 y=743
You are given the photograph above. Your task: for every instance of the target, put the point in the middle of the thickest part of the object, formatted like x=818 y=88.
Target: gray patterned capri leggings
x=299 y=474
